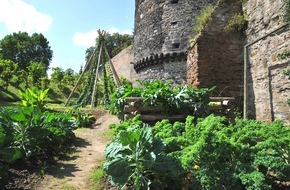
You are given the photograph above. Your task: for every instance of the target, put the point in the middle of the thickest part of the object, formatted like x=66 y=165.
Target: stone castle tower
x=161 y=37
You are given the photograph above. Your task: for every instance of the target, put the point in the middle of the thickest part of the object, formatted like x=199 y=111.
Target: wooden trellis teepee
x=95 y=68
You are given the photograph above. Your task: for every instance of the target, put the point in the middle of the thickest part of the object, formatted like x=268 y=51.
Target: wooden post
x=79 y=79
x=96 y=76
x=115 y=75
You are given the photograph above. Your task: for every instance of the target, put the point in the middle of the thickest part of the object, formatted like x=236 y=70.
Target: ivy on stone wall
x=287 y=73
x=283 y=55
x=287 y=11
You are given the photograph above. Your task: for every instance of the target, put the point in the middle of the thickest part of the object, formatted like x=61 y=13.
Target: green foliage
x=283 y=55
x=7 y=70
x=57 y=76
x=83 y=120
x=202 y=19
x=238 y=22
x=182 y=99
x=135 y=158
x=287 y=73
x=118 y=97
x=33 y=97
x=248 y=154
x=286 y=12
x=36 y=71
x=24 y=49
x=30 y=131
x=116 y=42
x=116 y=128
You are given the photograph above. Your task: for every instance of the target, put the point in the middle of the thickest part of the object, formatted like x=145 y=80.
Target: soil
x=73 y=171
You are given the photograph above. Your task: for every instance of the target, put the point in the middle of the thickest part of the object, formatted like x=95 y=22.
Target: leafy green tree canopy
x=115 y=43
x=24 y=49
x=7 y=70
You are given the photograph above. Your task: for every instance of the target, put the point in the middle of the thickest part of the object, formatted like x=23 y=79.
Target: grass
x=67 y=187
x=97 y=177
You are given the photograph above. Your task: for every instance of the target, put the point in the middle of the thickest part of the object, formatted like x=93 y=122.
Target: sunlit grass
x=97 y=175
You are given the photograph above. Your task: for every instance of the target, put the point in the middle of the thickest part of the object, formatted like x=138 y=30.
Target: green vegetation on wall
x=238 y=22
x=283 y=55
x=202 y=19
x=286 y=14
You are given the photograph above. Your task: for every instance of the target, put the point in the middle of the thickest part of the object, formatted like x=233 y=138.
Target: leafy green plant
x=238 y=22
x=83 y=120
x=248 y=154
x=118 y=97
x=33 y=97
x=283 y=55
x=286 y=11
x=287 y=73
x=181 y=99
x=135 y=158
x=203 y=18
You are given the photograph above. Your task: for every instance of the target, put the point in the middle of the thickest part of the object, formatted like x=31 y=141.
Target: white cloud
x=116 y=30
x=87 y=39
x=20 y=16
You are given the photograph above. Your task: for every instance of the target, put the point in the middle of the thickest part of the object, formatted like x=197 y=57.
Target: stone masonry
x=162 y=51
x=268 y=87
x=216 y=59
x=164 y=27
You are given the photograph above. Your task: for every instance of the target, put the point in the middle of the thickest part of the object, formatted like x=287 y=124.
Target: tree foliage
x=24 y=49
x=7 y=70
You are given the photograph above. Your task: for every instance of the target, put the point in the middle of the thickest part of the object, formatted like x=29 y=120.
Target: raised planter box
x=133 y=107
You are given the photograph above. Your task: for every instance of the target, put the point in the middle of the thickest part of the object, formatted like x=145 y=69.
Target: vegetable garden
x=31 y=131
x=204 y=152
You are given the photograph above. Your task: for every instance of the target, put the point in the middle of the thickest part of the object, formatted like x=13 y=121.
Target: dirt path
x=75 y=173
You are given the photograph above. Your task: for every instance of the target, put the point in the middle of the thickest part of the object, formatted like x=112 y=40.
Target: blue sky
x=70 y=26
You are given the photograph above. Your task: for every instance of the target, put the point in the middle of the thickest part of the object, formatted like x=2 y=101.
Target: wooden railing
x=218 y=106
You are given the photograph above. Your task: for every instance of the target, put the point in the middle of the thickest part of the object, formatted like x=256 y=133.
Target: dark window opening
x=174 y=1
x=173 y=23
x=175 y=45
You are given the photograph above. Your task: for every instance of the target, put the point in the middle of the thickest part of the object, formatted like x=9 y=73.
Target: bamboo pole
x=81 y=76
x=96 y=76
x=115 y=75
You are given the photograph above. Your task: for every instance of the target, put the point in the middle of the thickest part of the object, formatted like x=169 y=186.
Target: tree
x=36 y=71
x=116 y=42
x=69 y=76
x=23 y=49
x=7 y=69
x=57 y=76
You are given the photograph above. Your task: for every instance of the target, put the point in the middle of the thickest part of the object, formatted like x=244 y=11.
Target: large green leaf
x=129 y=137
x=2 y=135
x=119 y=169
x=10 y=154
x=115 y=149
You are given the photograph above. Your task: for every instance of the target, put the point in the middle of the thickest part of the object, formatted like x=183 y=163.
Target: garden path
x=75 y=172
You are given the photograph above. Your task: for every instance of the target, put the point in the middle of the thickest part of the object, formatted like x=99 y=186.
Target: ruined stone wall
x=123 y=64
x=216 y=59
x=268 y=87
x=164 y=27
